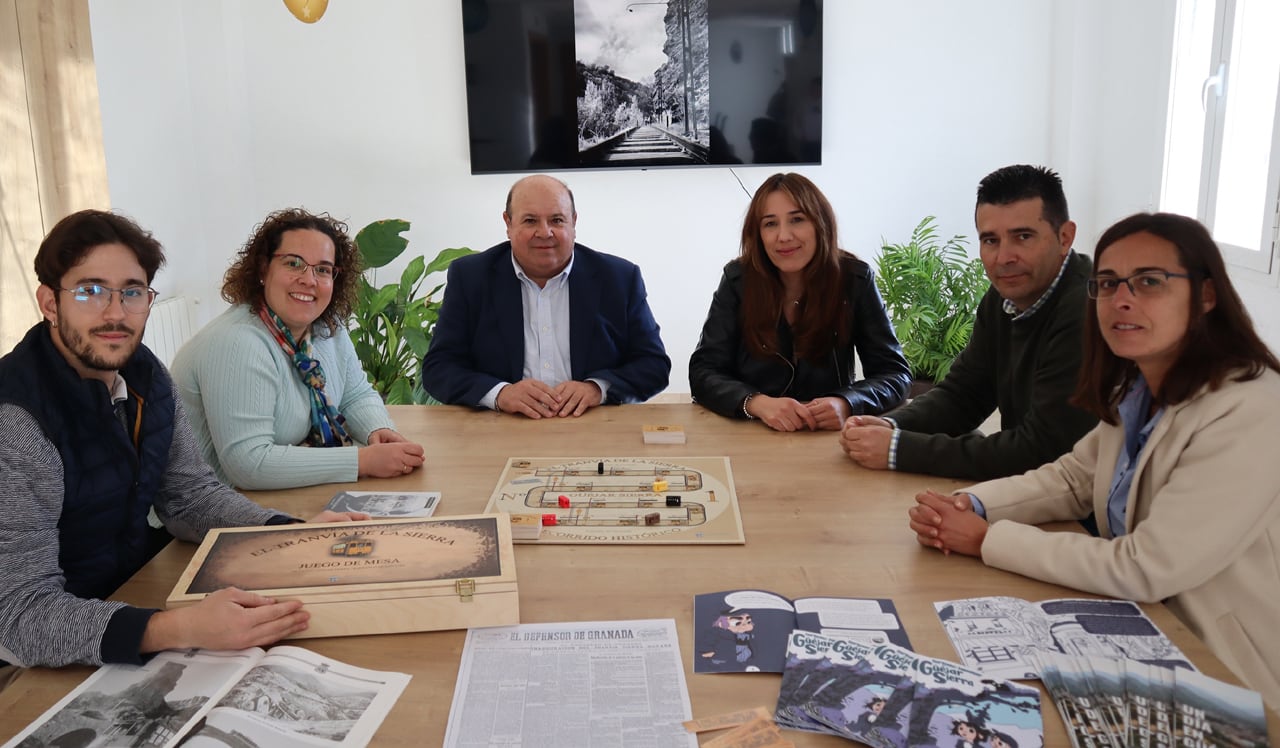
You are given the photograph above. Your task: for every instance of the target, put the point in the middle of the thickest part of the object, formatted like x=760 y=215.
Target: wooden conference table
x=815 y=524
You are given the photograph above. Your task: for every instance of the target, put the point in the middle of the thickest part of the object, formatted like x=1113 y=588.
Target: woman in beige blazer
x=1181 y=473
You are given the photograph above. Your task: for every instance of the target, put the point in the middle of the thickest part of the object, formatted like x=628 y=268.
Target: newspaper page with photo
x=286 y=696
x=585 y=683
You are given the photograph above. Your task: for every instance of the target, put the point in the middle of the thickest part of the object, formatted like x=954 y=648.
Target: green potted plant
x=391 y=326
x=931 y=289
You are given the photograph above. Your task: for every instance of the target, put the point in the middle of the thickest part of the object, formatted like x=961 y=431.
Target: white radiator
x=168 y=327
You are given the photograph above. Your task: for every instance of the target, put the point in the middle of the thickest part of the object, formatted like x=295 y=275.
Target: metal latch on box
x=466 y=589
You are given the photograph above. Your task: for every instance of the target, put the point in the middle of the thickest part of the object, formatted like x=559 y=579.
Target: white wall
x=216 y=113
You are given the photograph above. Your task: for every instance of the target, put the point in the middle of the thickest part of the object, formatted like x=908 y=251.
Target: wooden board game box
x=373 y=577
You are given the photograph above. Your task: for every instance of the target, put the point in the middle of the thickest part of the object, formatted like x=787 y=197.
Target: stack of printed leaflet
x=1116 y=678
x=1119 y=702
x=884 y=695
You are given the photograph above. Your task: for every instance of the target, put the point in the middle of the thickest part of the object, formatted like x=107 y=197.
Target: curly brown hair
x=243 y=282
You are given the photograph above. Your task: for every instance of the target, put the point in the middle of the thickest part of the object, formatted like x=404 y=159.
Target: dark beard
x=84 y=353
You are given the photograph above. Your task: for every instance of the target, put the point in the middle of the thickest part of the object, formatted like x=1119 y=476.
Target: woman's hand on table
x=781 y=413
x=947 y=523
x=386 y=436
x=829 y=412
x=390 y=459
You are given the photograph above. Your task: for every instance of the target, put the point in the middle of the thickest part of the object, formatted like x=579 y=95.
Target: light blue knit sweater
x=250 y=408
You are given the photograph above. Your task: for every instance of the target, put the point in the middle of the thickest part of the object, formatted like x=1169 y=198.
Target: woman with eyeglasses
x=1181 y=472
x=276 y=376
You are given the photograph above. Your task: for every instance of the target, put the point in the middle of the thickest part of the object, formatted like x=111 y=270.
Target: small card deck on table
x=663 y=433
x=372 y=577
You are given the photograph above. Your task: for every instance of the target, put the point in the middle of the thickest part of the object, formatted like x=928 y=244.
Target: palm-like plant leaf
x=391 y=326
x=931 y=289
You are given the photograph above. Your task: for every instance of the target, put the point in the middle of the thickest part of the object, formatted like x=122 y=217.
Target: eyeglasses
x=134 y=299
x=324 y=271
x=1147 y=283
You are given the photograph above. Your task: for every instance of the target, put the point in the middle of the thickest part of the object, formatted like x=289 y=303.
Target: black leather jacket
x=722 y=374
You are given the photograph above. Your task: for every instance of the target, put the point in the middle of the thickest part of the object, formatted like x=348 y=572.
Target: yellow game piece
x=659 y=486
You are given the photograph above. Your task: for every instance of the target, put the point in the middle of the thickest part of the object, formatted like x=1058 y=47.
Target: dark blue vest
x=109 y=483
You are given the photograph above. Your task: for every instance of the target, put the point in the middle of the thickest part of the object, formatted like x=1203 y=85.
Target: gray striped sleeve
x=192 y=500
x=40 y=622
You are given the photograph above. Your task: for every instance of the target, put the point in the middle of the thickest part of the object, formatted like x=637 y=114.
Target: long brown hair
x=820 y=324
x=1217 y=343
x=243 y=282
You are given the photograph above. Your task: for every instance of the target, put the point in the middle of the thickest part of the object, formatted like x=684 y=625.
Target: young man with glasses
x=93 y=442
x=1022 y=358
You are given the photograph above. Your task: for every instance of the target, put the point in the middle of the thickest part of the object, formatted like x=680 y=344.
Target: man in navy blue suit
x=540 y=325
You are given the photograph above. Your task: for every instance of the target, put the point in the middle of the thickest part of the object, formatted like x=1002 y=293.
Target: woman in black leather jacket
x=790 y=312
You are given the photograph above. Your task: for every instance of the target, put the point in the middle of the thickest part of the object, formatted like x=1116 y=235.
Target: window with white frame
x=1222 y=147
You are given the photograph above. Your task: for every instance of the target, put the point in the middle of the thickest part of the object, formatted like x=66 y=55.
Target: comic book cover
x=1209 y=712
x=957 y=707
x=814 y=664
x=874 y=706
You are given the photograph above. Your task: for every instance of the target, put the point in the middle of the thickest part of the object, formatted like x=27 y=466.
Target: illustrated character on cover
x=878 y=728
x=730 y=640
x=877 y=723
x=874 y=706
x=1001 y=740
x=971 y=730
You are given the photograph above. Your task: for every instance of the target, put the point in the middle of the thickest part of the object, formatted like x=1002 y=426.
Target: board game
x=623 y=500
x=368 y=577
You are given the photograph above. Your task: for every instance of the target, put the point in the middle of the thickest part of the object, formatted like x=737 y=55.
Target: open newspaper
x=597 y=683
x=287 y=696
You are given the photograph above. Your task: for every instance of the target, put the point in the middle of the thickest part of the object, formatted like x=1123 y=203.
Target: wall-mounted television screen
x=596 y=84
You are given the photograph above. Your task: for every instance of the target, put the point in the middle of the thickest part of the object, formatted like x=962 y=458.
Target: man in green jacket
x=1022 y=359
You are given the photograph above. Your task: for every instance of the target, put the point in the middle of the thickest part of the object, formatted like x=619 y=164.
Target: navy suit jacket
x=479 y=338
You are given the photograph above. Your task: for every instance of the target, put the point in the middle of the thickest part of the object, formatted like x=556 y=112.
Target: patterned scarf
x=328 y=427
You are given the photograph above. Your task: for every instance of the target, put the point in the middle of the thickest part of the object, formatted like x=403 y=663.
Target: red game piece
x=548 y=520
x=564 y=502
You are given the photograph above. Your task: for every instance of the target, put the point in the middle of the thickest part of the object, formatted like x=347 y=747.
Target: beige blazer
x=1202 y=523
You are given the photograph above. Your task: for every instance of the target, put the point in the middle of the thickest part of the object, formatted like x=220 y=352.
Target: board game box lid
x=368 y=559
